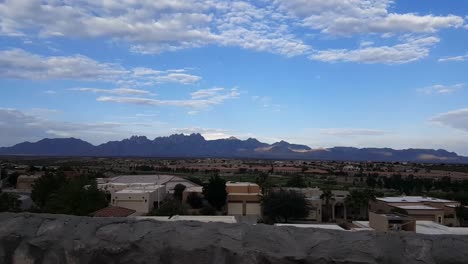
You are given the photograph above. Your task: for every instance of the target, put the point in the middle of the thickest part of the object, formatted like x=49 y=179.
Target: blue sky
x=358 y=73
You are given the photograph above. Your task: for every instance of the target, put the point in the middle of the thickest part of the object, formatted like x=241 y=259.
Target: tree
x=9 y=202
x=462 y=214
x=282 y=205
x=195 y=180
x=195 y=201
x=215 y=192
x=297 y=182
x=208 y=210
x=169 y=208
x=3 y=173
x=13 y=178
x=263 y=180
x=358 y=200
x=178 y=191
x=45 y=186
x=327 y=196
x=76 y=197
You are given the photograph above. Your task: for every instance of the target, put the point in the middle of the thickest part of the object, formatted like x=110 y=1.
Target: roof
x=206 y=219
x=114 y=211
x=417 y=207
x=194 y=189
x=427 y=227
x=135 y=191
x=320 y=226
x=413 y=199
x=241 y=184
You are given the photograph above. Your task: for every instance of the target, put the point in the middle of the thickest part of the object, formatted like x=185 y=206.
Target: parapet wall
x=41 y=238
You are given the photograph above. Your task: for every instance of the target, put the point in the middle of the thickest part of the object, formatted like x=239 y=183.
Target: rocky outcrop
x=41 y=238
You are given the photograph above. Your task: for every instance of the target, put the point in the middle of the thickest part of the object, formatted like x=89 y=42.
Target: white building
x=141 y=199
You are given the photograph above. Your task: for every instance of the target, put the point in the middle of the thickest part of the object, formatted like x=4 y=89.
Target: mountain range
x=195 y=145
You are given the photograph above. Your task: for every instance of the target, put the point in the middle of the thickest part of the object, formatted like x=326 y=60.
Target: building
x=25 y=182
x=421 y=227
x=243 y=199
x=419 y=207
x=318 y=226
x=142 y=199
x=198 y=190
x=391 y=222
x=317 y=205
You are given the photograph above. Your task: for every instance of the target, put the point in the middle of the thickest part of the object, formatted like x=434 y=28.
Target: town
x=348 y=196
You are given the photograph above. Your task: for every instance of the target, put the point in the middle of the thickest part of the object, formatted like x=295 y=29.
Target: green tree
x=215 y=192
x=283 y=205
x=358 y=201
x=263 y=180
x=13 y=178
x=297 y=182
x=195 y=180
x=195 y=201
x=169 y=208
x=3 y=173
x=9 y=202
x=76 y=197
x=462 y=214
x=45 y=186
x=178 y=191
x=327 y=196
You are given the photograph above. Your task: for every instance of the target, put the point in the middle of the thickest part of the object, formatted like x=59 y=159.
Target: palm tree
x=327 y=196
x=359 y=199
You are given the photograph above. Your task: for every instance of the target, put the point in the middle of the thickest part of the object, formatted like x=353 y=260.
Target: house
x=243 y=199
x=391 y=222
x=317 y=205
x=419 y=207
x=142 y=199
x=25 y=182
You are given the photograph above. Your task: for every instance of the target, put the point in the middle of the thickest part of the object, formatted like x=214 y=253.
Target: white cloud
x=207 y=133
x=345 y=132
x=20 y=64
x=154 y=26
x=18 y=126
x=454 y=58
x=51 y=92
x=117 y=91
x=208 y=99
x=456 y=119
x=442 y=89
x=412 y=50
x=337 y=17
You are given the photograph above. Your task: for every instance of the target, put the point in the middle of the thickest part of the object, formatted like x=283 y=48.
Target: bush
x=284 y=205
x=208 y=210
x=195 y=201
x=169 y=208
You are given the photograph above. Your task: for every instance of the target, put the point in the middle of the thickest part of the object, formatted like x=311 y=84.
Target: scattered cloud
x=412 y=50
x=207 y=133
x=266 y=102
x=456 y=119
x=442 y=89
x=51 y=92
x=346 y=18
x=18 y=126
x=20 y=64
x=454 y=58
x=345 y=132
x=117 y=91
x=201 y=99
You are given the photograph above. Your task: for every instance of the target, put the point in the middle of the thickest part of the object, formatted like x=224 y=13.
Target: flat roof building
x=243 y=199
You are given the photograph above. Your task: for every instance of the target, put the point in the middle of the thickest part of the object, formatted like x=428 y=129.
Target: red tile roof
x=113 y=211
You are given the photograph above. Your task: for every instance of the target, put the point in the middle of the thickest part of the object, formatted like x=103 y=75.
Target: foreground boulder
x=42 y=238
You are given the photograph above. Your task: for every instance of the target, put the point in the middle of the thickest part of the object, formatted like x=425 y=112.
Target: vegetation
x=52 y=193
x=462 y=215
x=297 y=182
x=327 y=196
x=208 y=210
x=9 y=202
x=357 y=202
x=13 y=178
x=264 y=181
x=215 y=192
x=283 y=205
x=178 y=191
x=169 y=208
x=195 y=201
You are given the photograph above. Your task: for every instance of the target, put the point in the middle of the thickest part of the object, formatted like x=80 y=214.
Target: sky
x=361 y=73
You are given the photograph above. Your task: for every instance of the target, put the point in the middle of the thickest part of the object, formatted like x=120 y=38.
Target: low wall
x=42 y=238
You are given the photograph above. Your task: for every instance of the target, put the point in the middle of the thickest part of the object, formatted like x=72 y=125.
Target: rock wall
x=42 y=238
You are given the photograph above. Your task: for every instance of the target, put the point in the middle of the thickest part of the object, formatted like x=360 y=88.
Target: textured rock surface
x=34 y=238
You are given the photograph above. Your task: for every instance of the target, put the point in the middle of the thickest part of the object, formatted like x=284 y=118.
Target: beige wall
x=242 y=188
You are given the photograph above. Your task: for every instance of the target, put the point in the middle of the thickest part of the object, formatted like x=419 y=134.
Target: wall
x=36 y=238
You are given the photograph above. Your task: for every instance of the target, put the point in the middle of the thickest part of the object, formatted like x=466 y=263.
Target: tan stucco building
x=243 y=199
x=419 y=207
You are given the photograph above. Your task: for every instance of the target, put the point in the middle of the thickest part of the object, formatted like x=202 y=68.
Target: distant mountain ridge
x=195 y=145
